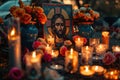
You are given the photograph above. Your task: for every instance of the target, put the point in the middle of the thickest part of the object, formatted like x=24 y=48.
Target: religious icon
x=59 y=24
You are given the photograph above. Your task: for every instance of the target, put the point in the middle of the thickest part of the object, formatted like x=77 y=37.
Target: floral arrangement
x=112 y=59
x=28 y=14
x=85 y=14
x=40 y=45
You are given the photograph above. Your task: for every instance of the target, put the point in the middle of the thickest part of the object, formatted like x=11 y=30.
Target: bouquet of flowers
x=85 y=14
x=28 y=14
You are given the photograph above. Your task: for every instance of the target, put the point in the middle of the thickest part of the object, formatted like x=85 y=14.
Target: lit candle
x=51 y=40
x=55 y=53
x=116 y=48
x=98 y=69
x=105 y=38
x=71 y=60
x=79 y=42
x=94 y=41
x=87 y=52
x=86 y=70
x=33 y=64
x=112 y=74
x=14 y=44
x=100 y=49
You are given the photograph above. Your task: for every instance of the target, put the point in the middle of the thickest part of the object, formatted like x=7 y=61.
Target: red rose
x=117 y=54
x=36 y=44
x=62 y=50
x=15 y=73
x=109 y=58
x=47 y=57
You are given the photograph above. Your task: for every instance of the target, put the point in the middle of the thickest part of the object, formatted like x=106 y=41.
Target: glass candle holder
x=116 y=48
x=33 y=65
x=71 y=61
x=94 y=41
x=14 y=42
x=86 y=57
x=79 y=42
x=105 y=38
x=100 y=49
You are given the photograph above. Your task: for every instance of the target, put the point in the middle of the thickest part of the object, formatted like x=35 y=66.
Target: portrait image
x=59 y=23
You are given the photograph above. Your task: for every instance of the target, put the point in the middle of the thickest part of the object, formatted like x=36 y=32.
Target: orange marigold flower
x=28 y=9
x=12 y=9
x=42 y=18
x=38 y=10
x=26 y=18
x=18 y=12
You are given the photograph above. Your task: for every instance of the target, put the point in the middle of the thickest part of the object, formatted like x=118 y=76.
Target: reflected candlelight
x=56 y=66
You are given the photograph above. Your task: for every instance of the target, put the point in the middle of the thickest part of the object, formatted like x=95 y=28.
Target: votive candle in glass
x=79 y=42
x=71 y=61
x=105 y=38
x=33 y=65
x=116 y=48
x=87 y=52
x=100 y=49
x=94 y=41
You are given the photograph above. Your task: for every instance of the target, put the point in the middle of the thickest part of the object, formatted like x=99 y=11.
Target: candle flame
x=96 y=68
x=105 y=33
x=12 y=33
x=111 y=73
x=52 y=52
x=86 y=68
x=34 y=54
x=71 y=51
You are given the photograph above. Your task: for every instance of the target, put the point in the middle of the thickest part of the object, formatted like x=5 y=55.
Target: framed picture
x=59 y=23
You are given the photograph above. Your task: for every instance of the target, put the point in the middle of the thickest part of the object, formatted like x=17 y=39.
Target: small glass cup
x=86 y=57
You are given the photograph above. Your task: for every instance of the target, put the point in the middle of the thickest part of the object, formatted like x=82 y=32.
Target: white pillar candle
x=14 y=43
